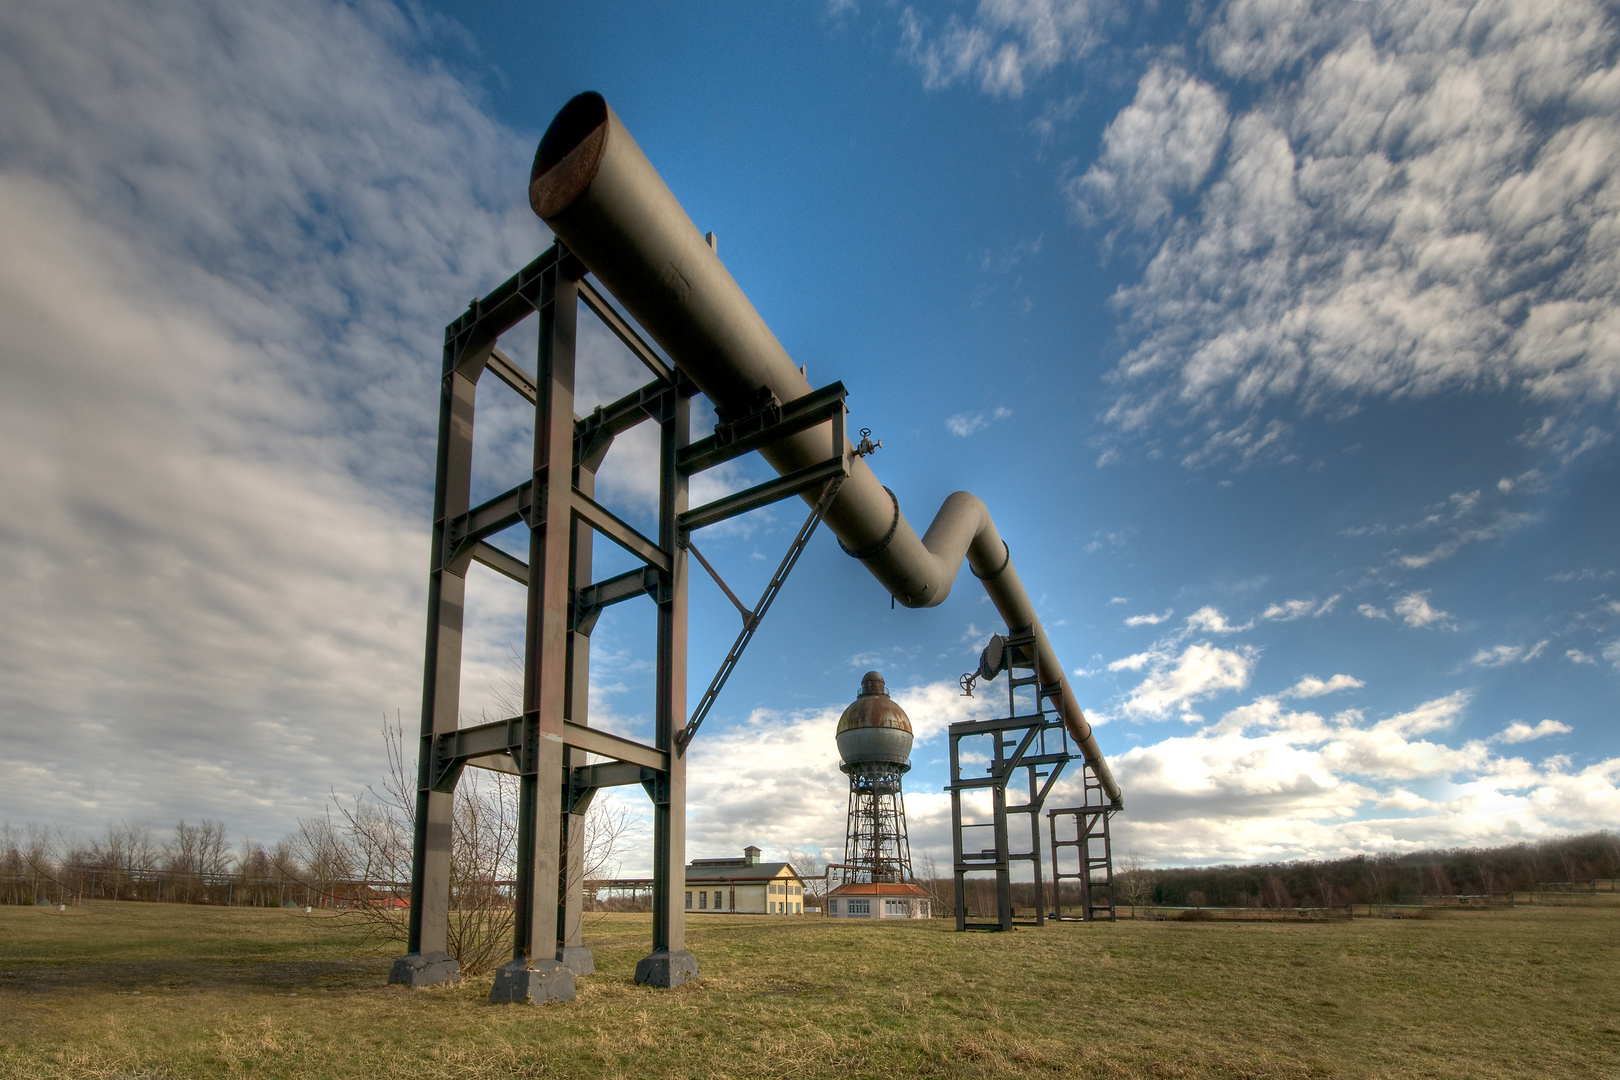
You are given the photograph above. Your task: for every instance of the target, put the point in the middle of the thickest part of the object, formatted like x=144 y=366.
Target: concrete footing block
x=532 y=982
x=418 y=970
x=576 y=958
x=666 y=969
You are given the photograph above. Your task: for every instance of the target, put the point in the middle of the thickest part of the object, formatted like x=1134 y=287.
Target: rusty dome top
x=874 y=708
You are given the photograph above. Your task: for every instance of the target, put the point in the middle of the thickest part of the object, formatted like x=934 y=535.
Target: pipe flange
x=1006 y=559
x=879 y=547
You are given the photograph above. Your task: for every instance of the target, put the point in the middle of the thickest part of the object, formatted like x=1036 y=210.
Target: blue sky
x=1280 y=339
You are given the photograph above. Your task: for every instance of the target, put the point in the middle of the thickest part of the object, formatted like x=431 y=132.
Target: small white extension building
x=879 y=900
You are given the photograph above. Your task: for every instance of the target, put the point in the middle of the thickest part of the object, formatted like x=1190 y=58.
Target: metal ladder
x=1094 y=854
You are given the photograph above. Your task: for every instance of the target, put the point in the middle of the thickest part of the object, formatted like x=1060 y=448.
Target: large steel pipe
x=602 y=198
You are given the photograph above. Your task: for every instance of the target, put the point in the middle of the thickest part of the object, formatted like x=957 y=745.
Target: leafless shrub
x=1134 y=882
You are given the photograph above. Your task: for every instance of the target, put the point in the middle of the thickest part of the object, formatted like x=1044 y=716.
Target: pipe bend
x=600 y=195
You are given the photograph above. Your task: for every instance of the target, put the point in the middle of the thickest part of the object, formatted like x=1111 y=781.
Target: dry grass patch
x=122 y=990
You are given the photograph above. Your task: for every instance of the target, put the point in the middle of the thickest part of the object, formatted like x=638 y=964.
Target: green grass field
x=126 y=990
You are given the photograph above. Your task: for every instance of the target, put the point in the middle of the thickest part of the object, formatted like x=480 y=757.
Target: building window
x=688 y=897
x=832 y=907
x=860 y=907
x=703 y=901
x=718 y=898
x=798 y=909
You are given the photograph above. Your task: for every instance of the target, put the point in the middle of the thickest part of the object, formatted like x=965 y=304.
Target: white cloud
x=1004 y=43
x=1422 y=198
x=233 y=236
x=965 y=424
x=1579 y=657
x=1372 y=612
x=1310 y=686
x=1159 y=148
x=1266 y=783
x=1414 y=608
x=1519 y=731
x=1149 y=620
x=1201 y=671
x=1208 y=618
x=1288 y=610
x=1508 y=654
x=1611 y=652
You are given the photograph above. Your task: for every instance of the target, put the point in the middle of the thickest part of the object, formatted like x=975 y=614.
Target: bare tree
x=1134 y=884
x=374 y=831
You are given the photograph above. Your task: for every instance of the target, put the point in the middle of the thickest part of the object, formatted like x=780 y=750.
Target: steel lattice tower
x=874 y=741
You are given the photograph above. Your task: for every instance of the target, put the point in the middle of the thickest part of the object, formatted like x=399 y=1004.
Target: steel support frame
x=546 y=746
x=1030 y=742
x=1091 y=833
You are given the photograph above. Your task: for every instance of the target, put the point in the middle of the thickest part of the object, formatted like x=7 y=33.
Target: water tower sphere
x=874 y=729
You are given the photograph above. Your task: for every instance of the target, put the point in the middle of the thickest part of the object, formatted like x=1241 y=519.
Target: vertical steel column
x=534 y=973
x=998 y=803
x=670 y=964
x=427 y=963
x=572 y=951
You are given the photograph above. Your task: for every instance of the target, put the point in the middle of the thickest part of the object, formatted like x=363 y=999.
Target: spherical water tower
x=874 y=741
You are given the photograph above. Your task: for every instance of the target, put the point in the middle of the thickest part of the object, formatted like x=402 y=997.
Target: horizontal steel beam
x=486 y=519
x=1005 y=723
x=500 y=562
x=616 y=589
x=644 y=403
x=507 y=370
x=623 y=331
x=473 y=335
x=610 y=774
x=596 y=741
x=728 y=442
x=609 y=525
x=469 y=742
x=764 y=494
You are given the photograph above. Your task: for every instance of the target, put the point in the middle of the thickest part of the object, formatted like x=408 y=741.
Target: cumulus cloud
x=1159 y=148
x=1150 y=620
x=1208 y=618
x=1267 y=782
x=1579 y=657
x=1421 y=198
x=1415 y=610
x=1004 y=43
x=1175 y=683
x=1372 y=612
x=1519 y=731
x=1310 y=686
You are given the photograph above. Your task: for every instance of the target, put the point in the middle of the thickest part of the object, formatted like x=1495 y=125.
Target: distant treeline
x=1380 y=879
x=192 y=865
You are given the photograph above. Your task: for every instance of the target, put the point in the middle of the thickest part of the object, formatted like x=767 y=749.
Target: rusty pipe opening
x=569 y=154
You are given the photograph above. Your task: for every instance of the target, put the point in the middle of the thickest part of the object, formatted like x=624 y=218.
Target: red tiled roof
x=881 y=888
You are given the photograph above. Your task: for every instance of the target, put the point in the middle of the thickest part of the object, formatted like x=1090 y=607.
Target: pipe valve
x=866 y=445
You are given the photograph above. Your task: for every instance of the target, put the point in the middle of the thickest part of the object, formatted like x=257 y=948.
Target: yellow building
x=745 y=886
